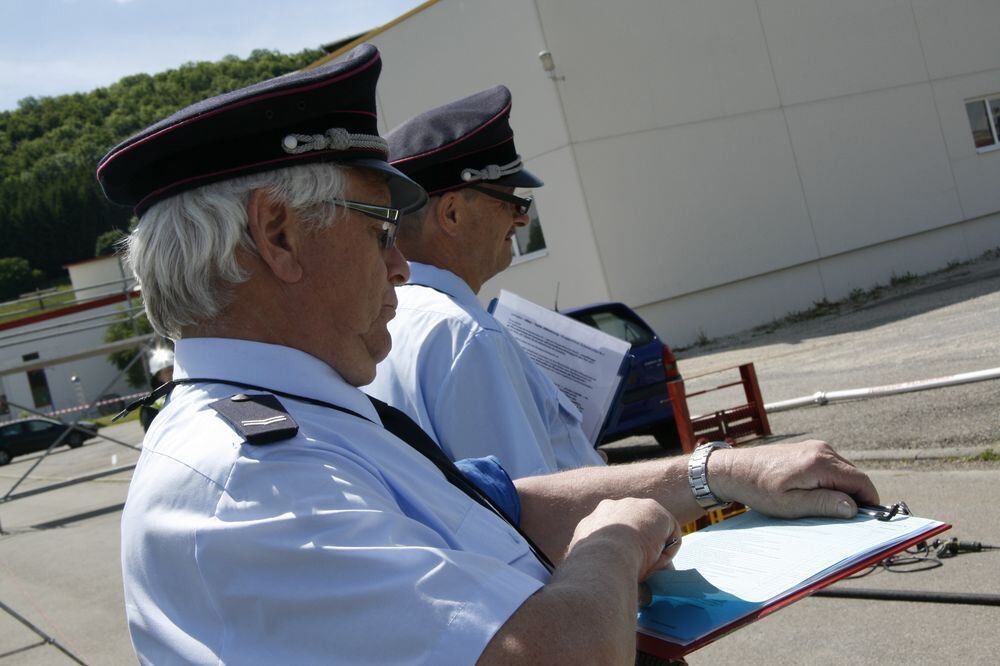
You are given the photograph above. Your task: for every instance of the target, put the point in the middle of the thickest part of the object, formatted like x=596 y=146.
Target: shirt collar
x=275 y=367
x=444 y=281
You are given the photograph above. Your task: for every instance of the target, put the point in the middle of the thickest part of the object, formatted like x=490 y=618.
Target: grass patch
x=819 y=309
x=47 y=300
x=989 y=455
x=859 y=297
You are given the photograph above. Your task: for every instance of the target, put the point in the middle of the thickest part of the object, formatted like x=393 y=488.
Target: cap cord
x=492 y=171
x=335 y=138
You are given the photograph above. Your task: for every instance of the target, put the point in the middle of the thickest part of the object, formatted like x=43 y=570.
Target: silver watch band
x=698 y=477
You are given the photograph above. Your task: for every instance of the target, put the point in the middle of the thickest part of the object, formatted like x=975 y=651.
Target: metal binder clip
x=880 y=512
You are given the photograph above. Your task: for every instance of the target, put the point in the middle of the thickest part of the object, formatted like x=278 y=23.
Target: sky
x=54 y=47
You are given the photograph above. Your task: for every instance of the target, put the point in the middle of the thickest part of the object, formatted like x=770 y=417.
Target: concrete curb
x=917 y=454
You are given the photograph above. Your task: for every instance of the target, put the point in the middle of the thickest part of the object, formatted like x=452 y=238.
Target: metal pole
x=44 y=636
x=131 y=314
x=822 y=398
x=139 y=354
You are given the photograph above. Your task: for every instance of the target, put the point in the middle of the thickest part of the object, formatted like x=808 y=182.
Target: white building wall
x=719 y=163
x=453 y=49
x=96 y=374
x=97 y=277
x=668 y=226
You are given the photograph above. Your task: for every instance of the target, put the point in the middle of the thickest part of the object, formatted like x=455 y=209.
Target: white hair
x=183 y=252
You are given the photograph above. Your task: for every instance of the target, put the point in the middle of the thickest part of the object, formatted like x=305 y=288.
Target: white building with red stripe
x=53 y=359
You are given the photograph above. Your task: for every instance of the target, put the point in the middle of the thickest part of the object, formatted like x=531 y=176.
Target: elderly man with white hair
x=277 y=515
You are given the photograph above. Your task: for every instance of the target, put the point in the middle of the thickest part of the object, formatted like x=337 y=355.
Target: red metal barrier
x=737 y=425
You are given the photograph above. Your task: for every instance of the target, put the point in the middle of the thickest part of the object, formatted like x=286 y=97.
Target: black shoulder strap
x=402 y=426
x=394 y=420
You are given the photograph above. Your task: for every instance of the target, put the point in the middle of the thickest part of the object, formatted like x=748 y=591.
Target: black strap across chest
x=396 y=422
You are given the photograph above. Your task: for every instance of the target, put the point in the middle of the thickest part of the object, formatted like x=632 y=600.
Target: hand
x=791 y=480
x=640 y=528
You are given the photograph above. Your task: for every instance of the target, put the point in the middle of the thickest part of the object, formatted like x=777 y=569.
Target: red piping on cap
x=489 y=122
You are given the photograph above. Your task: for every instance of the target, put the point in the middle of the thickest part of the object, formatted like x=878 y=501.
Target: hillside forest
x=52 y=211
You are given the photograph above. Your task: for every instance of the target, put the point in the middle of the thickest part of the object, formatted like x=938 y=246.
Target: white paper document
x=731 y=569
x=583 y=362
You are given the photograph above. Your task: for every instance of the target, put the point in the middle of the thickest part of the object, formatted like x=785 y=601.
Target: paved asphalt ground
x=59 y=551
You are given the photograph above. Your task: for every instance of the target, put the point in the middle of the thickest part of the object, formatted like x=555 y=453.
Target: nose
x=521 y=219
x=396 y=266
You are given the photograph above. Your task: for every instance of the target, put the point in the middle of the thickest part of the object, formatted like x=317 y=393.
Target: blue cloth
x=490 y=477
x=459 y=374
x=302 y=551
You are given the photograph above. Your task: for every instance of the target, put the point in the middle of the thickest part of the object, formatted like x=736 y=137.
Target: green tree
x=16 y=277
x=107 y=242
x=122 y=329
x=52 y=209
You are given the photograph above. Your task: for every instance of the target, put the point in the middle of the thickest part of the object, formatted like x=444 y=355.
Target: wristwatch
x=698 y=477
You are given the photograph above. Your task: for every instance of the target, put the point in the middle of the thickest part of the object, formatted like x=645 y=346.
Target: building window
x=529 y=240
x=984 y=119
x=39 y=388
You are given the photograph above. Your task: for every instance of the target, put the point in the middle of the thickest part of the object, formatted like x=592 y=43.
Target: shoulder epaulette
x=260 y=418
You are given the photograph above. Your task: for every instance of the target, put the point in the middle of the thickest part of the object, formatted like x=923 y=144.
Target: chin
x=378 y=348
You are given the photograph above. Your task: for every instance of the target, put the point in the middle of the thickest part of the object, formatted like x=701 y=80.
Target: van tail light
x=670 y=365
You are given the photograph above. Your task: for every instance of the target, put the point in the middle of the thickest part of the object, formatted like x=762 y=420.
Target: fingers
x=818 y=502
x=834 y=472
x=665 y=560
x=647 y=529
x=864 y=491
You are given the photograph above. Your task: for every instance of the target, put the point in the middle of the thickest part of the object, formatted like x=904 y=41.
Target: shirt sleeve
x=484 y=406
x=333 y=568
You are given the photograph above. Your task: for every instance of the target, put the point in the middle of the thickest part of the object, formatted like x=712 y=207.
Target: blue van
x=644 y=407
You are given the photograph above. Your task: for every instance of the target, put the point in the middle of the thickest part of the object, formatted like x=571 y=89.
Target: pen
x=883 y=512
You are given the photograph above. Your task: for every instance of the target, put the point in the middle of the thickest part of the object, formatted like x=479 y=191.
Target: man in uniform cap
x=275 y=517
x=453 y=368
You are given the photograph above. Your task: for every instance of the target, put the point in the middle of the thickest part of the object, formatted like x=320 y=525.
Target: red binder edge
x=664 y=649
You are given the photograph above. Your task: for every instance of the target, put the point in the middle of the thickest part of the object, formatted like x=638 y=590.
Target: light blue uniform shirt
x=341 y=545
x=458 y=373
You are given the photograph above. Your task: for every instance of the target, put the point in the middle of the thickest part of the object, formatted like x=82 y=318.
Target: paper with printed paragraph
x=583 y=362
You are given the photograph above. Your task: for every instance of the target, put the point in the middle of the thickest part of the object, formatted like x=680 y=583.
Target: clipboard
x=648 y=641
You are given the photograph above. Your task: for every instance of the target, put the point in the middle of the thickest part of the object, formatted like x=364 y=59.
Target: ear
x=449 y=213
x=276 y=233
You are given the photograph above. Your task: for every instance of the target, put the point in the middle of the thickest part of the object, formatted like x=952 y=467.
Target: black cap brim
x=522 y=178
x=406 y=194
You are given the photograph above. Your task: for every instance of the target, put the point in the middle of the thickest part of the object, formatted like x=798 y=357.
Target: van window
x=623 y=329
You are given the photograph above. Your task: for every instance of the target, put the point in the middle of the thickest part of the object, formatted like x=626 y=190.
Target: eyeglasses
x=389 y=217
x=521 y=204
